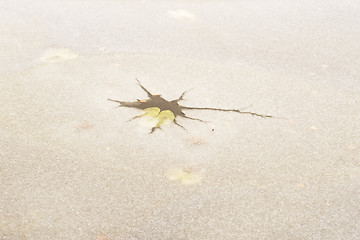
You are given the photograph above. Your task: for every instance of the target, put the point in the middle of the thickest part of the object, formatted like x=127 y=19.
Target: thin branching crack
x=156 y=101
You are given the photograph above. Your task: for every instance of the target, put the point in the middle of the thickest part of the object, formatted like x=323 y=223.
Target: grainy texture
x=72 y=167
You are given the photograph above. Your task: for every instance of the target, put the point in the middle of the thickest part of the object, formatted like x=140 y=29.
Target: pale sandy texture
x=71 y=167
x=21 y=41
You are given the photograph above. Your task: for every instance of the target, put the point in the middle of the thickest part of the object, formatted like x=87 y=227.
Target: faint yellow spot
x=230 y=118
x=110 y=83
x=351 y=147
x=181 y=14
x=227 y=123
x=301 y=185
x=186 y=176
x=58 y=55
x=314 y=92
x=292 y=131
x=313 y=128
x=142 y=101
x=291 y=122
x=101 y=237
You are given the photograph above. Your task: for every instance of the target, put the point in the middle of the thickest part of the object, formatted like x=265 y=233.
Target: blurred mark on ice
x=58 y=55
x=196 y=140
x=301 y=185
x=101 y=237
x=85 y=125
x=181 y=14
x=186 y=176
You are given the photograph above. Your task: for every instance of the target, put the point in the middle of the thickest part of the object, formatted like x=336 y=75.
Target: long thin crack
x=227 y=110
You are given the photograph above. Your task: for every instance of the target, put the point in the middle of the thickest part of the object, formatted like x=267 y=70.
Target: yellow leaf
x=152 y=112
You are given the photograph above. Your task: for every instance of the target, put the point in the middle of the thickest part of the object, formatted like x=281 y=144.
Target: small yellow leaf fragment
x=142 y=101
x=166 y=115
x=186 y=176
x=58 y=55
x=160 y=116
x=152 y=112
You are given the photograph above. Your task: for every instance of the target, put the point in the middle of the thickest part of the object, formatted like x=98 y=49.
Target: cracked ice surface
x=72 y=167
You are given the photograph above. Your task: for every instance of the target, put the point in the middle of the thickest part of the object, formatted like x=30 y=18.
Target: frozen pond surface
x=73 y=167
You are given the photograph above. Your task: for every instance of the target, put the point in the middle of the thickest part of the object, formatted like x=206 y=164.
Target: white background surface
x=73 y=168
